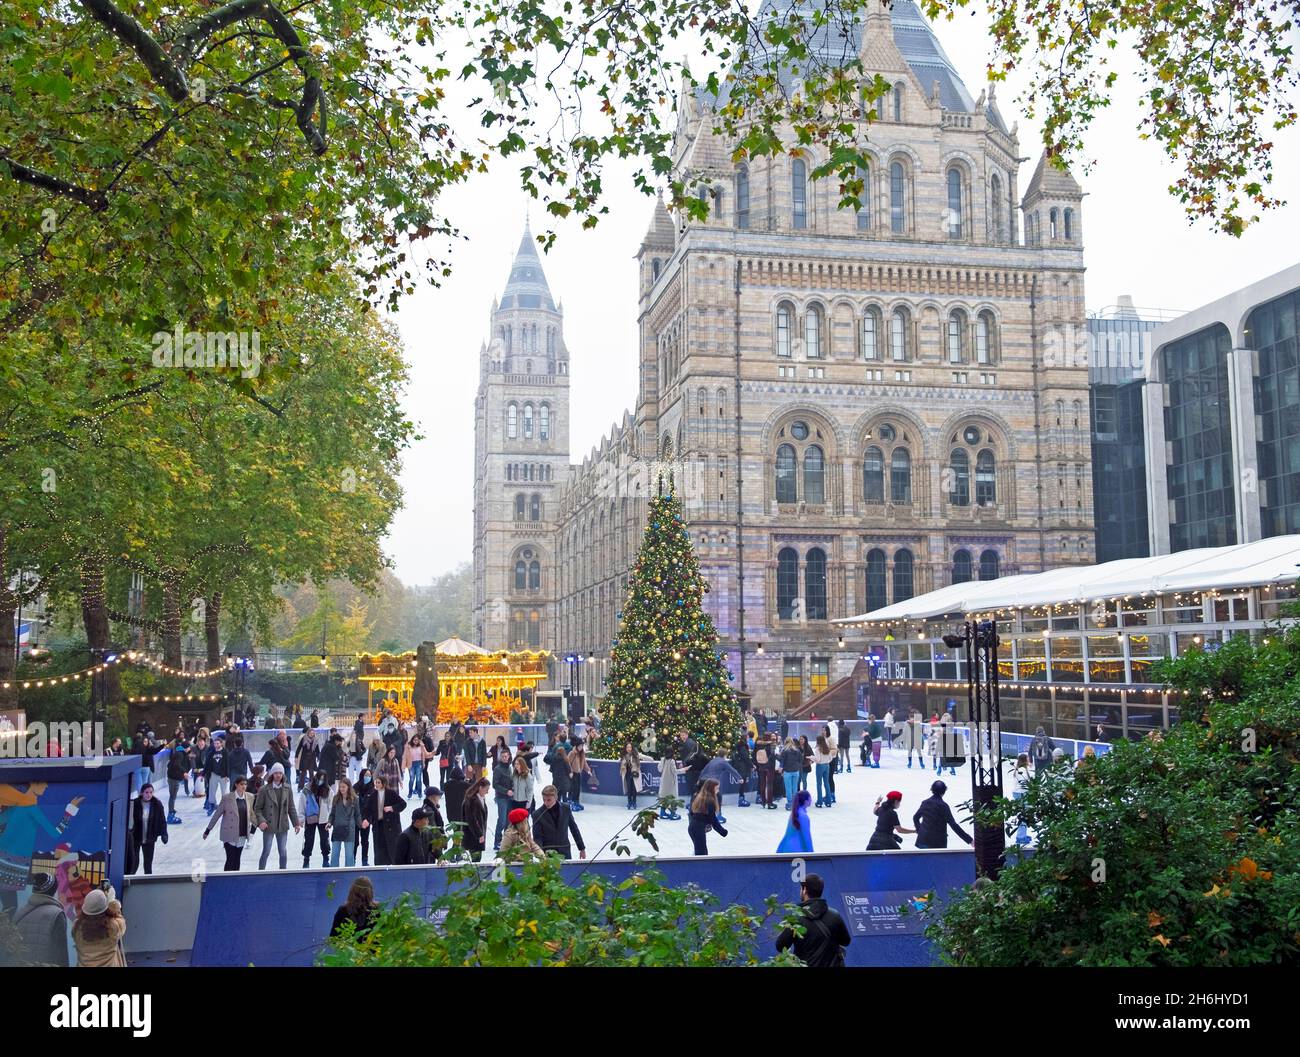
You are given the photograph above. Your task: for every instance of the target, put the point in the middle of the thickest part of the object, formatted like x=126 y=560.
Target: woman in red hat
x=518 y=834
x=886 y=837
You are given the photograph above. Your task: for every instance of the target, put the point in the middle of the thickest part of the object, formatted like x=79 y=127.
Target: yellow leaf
x=1154 y=919
x=1160 y=940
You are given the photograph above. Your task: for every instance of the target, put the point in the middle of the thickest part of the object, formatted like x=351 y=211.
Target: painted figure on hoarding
x=23 y=822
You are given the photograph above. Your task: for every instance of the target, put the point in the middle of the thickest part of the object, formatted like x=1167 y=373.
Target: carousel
x=474 y=684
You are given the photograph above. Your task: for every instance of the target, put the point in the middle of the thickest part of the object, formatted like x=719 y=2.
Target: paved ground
x=751 y=831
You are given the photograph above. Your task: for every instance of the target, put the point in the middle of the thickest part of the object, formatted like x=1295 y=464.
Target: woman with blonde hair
x=704 y=816
x=523 y=784
x=578 y=766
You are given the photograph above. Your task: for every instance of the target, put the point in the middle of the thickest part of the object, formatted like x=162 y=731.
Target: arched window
x=520 y=505
x=985 y=479
x=962 y=571
x=534 y=574
x=960 y=464
x=784 y=321
x=785 y=474
x=880 y=107
x=898 y=335
x=984 y=338
x=897 y=197
x=510 y=471
x=814 y=476
x=528 y=422
x=742 y=197
x=957 y=337
x=521 y=575
x=995 y=195
x=864 y=210
x=512 y=421
x=535 y=508
x=1069 y=224
x=876 y=598
x=898 y=102
x=871 y=334
x=518 y=629
x=1051 y=225
x=544 y=422
x=900 y=476
x=814 y=578
x=989 y=565
x=787 y=582
x=903 y=579
x=799 y=193
x=654 y=269
x=954 y=203
x=812 y=332
x=873 y=475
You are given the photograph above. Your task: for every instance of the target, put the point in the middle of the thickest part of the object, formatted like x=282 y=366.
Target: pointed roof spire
x=660 y=234
x=1050 y=182
x=527 y=286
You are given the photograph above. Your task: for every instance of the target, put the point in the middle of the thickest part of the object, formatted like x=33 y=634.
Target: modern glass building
x=1221 y=420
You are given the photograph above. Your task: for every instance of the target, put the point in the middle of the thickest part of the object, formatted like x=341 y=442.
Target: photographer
x=99 y=929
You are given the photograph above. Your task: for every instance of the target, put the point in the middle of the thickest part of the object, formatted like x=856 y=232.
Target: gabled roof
x=527 y=286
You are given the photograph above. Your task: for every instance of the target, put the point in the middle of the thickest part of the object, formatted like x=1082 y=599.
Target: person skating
x=704 y=816
x=239 y=761
x=557 y=758
x=214 y=773
x=273 y=811
x=235 y=813
x=579 y=769
x=334 y=758
x=629 y=773
x=390 y=770
x=934 y=818
x=825 y=933
x=278 y=752
x=791 y=765
x=314 y=810
x=765 y=768
x=798 y=830
x=177 y=769
x=412 y=845
x=914 y=738
x=475 y=813
x=1020 y=778
x=823 y=758
x=384 y=815
x=805 y=764
x=150 y=826
x=475 y=750
x=886 y=837
x=503 y=787
x=1040 y=750
x=742 y=760
x=523 y=784
x=413 y=759
x=455 y=789
x=719 y=770
x=845 y=747
x=307 y=756
x=695 y=764
x=831 y=735
x=365 y=790
x=668 y=786
x=553 y=823
x=519 y=836
x=344 y=821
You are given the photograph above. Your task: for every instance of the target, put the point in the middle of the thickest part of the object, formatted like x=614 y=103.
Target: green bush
x=1177 y=850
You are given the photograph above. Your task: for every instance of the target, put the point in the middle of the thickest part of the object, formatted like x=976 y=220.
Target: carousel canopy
x=458 y=647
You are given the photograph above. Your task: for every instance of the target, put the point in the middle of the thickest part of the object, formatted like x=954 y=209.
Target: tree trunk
x=425 y=695
x=105 y=687
x=211 y=628
x=171 y=625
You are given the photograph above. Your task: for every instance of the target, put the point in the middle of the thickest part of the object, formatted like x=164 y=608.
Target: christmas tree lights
x=666 y=669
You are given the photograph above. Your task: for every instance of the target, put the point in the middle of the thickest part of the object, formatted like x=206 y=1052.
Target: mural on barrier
x=52 y=849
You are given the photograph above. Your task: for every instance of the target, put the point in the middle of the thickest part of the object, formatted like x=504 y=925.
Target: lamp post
x=985 y=716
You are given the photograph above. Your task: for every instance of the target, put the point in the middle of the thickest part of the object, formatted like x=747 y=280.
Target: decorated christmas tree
x=667 y=671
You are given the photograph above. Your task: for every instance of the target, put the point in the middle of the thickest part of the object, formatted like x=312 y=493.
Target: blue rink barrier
x=284 y=917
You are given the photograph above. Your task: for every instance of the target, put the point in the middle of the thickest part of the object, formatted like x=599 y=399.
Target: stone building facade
x=856 y=406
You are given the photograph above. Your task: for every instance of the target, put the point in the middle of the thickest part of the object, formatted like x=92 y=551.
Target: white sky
x=1137 y=241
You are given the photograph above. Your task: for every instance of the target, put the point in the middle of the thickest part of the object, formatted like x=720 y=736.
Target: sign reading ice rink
x=880 y=913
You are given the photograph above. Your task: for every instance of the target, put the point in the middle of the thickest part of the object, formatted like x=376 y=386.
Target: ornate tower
x=521 y=460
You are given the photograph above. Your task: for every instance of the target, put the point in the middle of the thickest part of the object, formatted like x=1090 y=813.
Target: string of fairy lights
x=961 y=684
x=128 y=657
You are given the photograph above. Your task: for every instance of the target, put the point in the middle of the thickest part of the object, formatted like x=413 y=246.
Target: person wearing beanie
x=553 y=823
x=42 y=925
x=518 y=834
x=98 y=931
x=886 y=837
x=934 y=818
x=273 y=811
x=412 y=848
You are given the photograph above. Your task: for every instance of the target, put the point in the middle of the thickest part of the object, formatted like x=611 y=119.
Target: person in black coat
x=743 y=762
x=455 y=787
x=333 y=759
x=475 y=750
x=383 y=811
x=149 y=826
x=695 y=765
x=933 y=818
x=825 y=934
x=886 y=837
x=365 y=790
x=552 y=824
x=239 y=761
x=412 y=848
x=475 y=812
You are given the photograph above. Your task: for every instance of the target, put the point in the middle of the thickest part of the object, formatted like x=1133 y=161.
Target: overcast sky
x=1136 y=241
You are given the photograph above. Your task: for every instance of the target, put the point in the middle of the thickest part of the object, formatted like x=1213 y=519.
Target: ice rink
x=847 y=826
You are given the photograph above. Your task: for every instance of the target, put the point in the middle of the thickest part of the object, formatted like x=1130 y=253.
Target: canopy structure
x=473 y=683
x=1269 y=561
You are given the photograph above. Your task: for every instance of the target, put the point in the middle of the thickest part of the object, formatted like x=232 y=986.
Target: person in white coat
x=668 y=773
x=914 y=739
